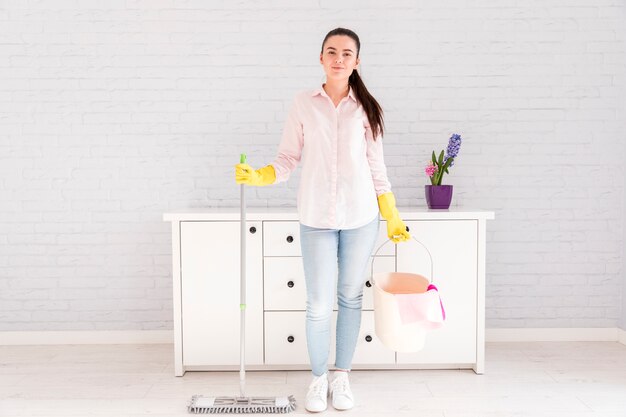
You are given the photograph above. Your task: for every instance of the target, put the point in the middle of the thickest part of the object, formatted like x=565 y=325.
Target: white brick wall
x=114 y=112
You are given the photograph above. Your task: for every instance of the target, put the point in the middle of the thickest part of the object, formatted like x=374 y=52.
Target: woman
x=335 y=131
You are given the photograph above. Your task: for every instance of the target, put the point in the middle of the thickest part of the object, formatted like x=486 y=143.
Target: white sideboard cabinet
x=206 y=264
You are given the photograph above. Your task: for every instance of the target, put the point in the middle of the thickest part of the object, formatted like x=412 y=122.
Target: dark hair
x=372 y=109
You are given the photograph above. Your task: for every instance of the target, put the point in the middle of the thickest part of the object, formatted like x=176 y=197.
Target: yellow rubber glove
x=396 y=229
x=245 y=174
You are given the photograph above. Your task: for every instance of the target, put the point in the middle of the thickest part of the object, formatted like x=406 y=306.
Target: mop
x=242 y=404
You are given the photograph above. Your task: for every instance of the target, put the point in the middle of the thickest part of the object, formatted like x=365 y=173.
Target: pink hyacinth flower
x=431 y=169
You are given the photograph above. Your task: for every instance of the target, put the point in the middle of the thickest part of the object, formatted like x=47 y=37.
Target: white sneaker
x=340 y=392
x=317 y=396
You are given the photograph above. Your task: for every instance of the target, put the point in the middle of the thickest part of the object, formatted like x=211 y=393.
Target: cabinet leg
x=479 y=368
x=178 y=368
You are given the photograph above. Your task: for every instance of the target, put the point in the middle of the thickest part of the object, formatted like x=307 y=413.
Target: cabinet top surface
x=290 y=213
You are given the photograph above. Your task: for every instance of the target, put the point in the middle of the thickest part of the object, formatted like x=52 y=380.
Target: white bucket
x=400 y=326
x=392 y=333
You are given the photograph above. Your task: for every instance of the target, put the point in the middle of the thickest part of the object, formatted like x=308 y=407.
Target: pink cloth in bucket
x=425 y=307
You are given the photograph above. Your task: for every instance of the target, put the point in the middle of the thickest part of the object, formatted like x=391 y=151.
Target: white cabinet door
x=453 y=246
x=210 y=284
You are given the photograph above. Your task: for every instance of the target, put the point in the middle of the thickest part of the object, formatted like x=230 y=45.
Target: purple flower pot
x=438 y=196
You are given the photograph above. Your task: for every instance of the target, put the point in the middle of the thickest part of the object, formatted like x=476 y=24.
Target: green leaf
x=440 y=158
x=434 y=159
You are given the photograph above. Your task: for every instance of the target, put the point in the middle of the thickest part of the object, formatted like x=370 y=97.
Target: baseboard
x=104 y=337
x=609 y=334
x=167 y=336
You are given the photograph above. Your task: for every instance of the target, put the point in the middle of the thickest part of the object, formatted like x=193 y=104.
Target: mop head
x=241 y=405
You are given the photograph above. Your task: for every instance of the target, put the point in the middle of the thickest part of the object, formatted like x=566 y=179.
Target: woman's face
x=339 y=57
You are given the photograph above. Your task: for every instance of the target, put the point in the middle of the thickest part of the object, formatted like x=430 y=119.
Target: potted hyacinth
x=439 y=196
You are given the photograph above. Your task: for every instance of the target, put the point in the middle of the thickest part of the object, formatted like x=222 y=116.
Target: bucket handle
x=389 y=240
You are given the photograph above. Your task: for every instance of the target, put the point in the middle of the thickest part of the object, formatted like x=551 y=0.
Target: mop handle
x=242 y=295
x=389 y=240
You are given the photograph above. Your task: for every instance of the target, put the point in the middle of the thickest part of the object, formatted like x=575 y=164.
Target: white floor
x=556 y=379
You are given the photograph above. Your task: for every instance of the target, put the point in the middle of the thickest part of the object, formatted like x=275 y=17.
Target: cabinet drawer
x=284 y=287
x=281 y=238
x=369 y=349
x=285 y=339
x=381 y=264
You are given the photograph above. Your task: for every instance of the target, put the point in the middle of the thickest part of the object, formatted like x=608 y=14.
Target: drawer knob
x=368 y=284
x=253 y=230
x=289 y=239
x=368 y=338
x=290 y=284
x=290 y=339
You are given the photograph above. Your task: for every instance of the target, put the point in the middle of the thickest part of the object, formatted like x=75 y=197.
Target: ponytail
x=372 y=109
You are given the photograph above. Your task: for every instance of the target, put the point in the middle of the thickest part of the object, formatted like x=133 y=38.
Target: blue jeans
x=326 y=252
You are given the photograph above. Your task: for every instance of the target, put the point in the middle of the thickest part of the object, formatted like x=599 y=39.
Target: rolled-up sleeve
x=290 y=148
x=376 y=161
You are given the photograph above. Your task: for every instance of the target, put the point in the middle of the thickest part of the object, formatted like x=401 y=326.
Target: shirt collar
x=320 y=91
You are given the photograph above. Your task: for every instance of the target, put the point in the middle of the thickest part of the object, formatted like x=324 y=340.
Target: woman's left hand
x=396 y=230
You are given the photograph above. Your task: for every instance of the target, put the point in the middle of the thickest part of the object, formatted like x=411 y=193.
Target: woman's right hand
x=245 y=174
